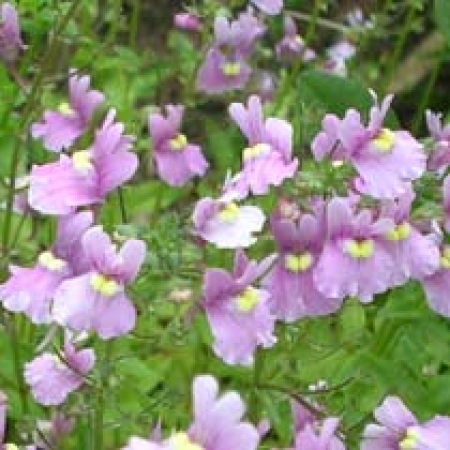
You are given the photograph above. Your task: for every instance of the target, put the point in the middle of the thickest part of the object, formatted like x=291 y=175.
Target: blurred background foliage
x=129 y=47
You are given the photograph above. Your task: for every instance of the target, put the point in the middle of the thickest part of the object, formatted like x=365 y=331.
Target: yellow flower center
x=104 y=285
x=255 y=151
x=82 y=161
x=58 y=363
x=178 y=143
x=50 y=262
x=229 y=212
x=65 y=109
x=445 y=258
x=359 y=249
x=399 y=232
x=181 y=441
x=247 y=300
x=231 y=69
x=298 y=263
x=410 y=441
x=11 y=447
x=384 y=141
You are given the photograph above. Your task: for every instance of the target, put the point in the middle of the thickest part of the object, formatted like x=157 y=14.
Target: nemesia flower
x=353 y=261
x=30 y=290
x=386 y=161
x=292 y=45
x=446 y=202
x=437 y=285
x=187 y=21
x=176 y=160
x=226 y=224
x=314 y=434
x=439 y=158
x=238 y=313
x=271 y=7
x=414 y=255
x=338 y=54
x=10 y=41
x=293 y=293
x=52 y=377
x=96 y=300
x=217 y=423
x=86 y=177
x=268 y=158
x=59 y=129
x=399 y=429
x=226 y=65
x=51 y=432
x=265 y=85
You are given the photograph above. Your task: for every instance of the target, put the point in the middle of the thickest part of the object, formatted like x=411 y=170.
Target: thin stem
x=15 y=348
x=325 y=23
x=399 y=46
x=425 y=97
x=134 y=26
x=123 y=210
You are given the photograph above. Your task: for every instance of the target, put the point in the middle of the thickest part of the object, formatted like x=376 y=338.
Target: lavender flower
x=376 y=153
x=314 y=434
x=338 y=55
x=217 y=423
x=96 y=300
x=176 y=160
x=10 y=41
x=353 y=261
x=226 y=66
x=292 y=45
x=268 y=158
x=439 y=158
x=398 y=429
x=293 y=293
x=238 y=312
x=187 y=22
x=87 y=176
x=30 y=290
x=413 y=254
x=226 y=224
x=437 y=285
x=59 y=129
x=52 y=378
x=271 y=7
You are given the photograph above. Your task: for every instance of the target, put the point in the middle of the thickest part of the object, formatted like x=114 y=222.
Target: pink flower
x=96 y=300
x=226 y=224
x=60 y=129
x=10 y=41
x=30 y=290
x=237 y=311
x=52 y=378
x=268 y=158
x=177 y=161
x=386 y=161
x=87 y=176
x=187 y=21
x=217 y=423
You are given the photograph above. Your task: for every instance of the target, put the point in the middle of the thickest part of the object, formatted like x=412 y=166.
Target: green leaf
x=335 y=94
x=442 y=17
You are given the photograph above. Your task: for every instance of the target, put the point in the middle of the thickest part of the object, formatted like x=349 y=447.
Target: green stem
x=123 y=210
x=290 y=78
x=15 y=348
x=134 y=26
x=425 y=97
x=399 y=46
